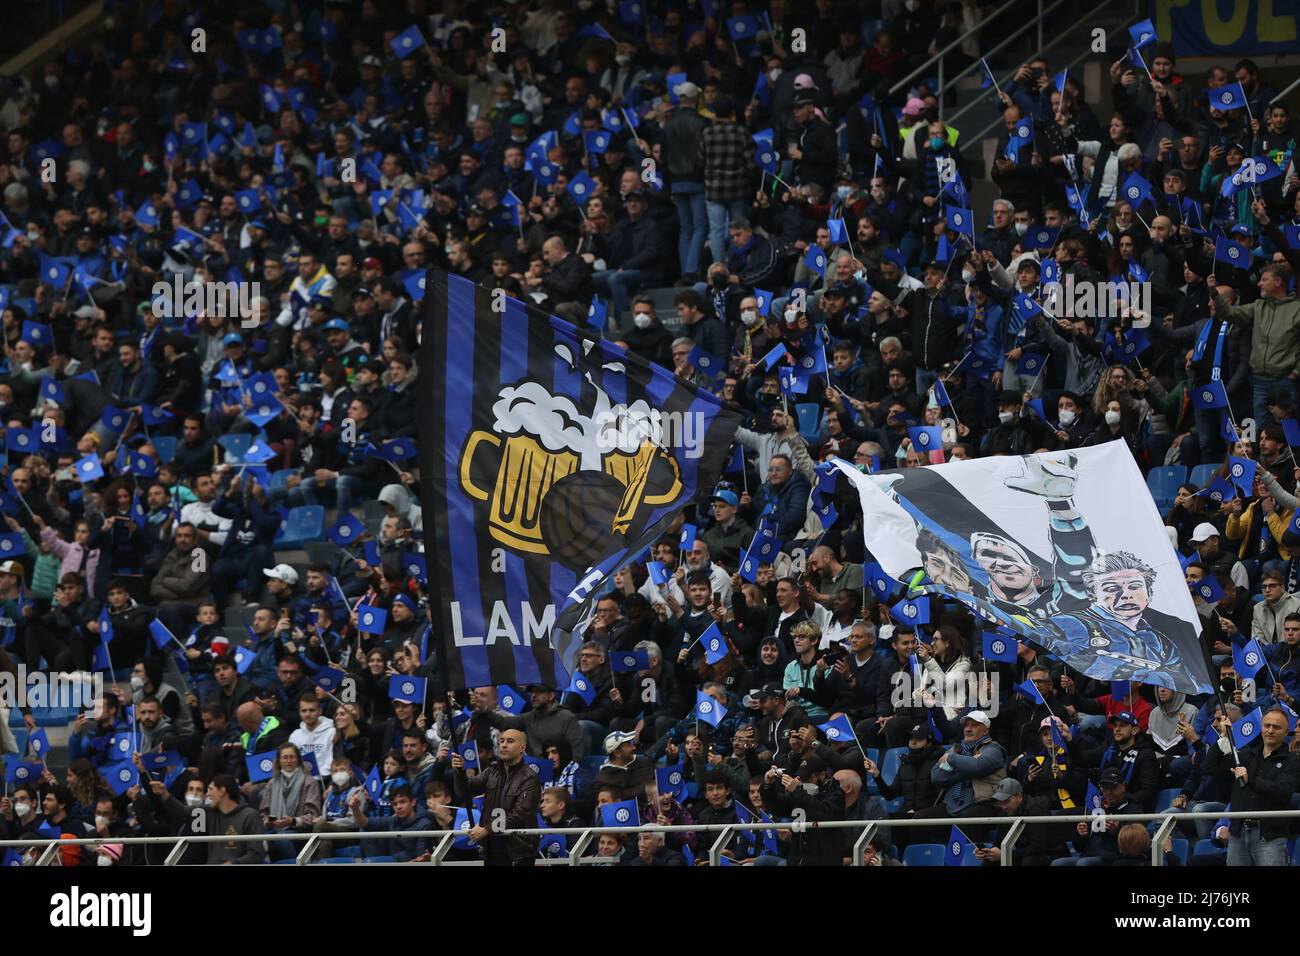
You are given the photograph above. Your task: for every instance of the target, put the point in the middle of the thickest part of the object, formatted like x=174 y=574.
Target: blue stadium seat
x=1206 y=853
x=923 y=854
x=338 y=859
x=351 y=852
x=280 y=479
x=1165 y=799
x=165 y=445
x=304 y=523
x=235 y=445
x=378 y=859
x=1202 y=475
x=1163 y=483
x=889 y=769
x=1180 y=850
x=810 y=417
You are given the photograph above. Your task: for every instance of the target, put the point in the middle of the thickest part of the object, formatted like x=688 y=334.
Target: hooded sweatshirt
x=1162 y=723
x=318 y=741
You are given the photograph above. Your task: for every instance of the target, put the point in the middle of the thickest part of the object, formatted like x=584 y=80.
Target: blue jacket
x=789 y=505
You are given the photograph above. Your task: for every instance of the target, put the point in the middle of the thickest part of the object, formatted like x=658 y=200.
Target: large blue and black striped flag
x=549 y=459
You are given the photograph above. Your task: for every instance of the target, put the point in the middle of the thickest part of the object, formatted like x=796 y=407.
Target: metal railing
x=938 y=57
x=1121 y=30
x=726 y=833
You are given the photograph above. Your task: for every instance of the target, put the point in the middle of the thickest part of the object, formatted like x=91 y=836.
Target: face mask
x=22 y=809
x=641 y=320
x=100 y=820
x=937 y=142
x=843 y=192
x=502 y=104
x=1021 y=228
x=340 y=778
x=749 y=317
x=791 y=316
x=33 y=235
x=137 y=683
x=1112 y=418
x=811 y=789
x=622 y=59
x=859 y=274
x=102 y=860
x=967 y=275
x=193 y=800
x=290 y=774
x=773 y=75
x=207 y=802
x=1067 y=416
x=1005 y=417
x=52 y=82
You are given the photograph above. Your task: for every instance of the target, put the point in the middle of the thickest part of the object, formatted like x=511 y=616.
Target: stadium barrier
x=726 y=832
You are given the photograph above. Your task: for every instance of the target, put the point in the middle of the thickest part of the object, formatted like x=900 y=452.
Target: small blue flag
x=958 y=845
x=622 y=814
x=960 y=220
x=407 y=42
x=838 y=729
x=162 y=637
x=346 y=530
x=371 y=619
x=260 y=766
x=708 y=710
x=912 y=611
x=406 y=688
x=1030 y=690
x=580 y=685
x=686 y=541
x=629 y=662
x=89 y=468
x=510 y=700
x=671 y=780
x=999 y=647
x=1248 y=659
x=1230 y=96
x=715 y=644
x=1246 y=728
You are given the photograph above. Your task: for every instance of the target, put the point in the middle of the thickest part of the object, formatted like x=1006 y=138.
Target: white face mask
x=622 y=59
x=967 y=275
x=102 y=860
x=749 y=317
x=22 y=809
x=791 y=316
x=137 y=683
x=1067 y=416
x=33 y=235
x=100 y=820
x=193 y=800
x=340 y=778
x=773 y=75
x=641 y=320
x=1021 y=228
x=1112 y=418
x=1005 y=417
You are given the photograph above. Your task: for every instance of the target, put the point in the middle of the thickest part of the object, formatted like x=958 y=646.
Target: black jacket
x=681 y=145
x=812 y=846
x=1270 y=782
x=912 y=782
x=570 y=281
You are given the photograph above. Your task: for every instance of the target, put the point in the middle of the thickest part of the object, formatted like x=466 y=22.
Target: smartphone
x=717 y=597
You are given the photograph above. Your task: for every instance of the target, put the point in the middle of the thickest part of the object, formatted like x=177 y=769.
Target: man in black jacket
x=1266 y=775
x=682 y=134
x=815 y=152
x=510 y=785
x=1130 y=754
x=566 y=282
x=636 y=256
x=814 y=796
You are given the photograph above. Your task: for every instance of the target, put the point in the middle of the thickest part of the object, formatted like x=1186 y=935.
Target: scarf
x=286 y=793
x=963 y=789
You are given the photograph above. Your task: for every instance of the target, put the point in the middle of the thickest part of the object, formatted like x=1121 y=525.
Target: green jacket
x=45 y=571
x=1274 y=333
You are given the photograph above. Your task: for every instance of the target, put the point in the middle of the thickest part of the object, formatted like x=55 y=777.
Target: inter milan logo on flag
x=549 y=458
x=409 y=688
x=923 y=438
x=998 y=645
x=1252 y=658
x=1225 y=98
x=833 y=733
x=622 y=814
x=266 y=765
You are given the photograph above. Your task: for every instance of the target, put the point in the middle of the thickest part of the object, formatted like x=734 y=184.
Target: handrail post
x=47 y=854
x=1039 y=47
x=177 y=852
x=1009 y=842
x=442 y=849
x=720 y=844
x=575 y=855
x=860 y=846
x=1158 y=840
x=940 y=96
x=305 y=854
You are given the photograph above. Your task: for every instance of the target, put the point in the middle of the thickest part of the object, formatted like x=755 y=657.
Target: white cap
x=979 y=717
x=282 y=572
x=686 y=91
x=1204 y=531
x=617 y=739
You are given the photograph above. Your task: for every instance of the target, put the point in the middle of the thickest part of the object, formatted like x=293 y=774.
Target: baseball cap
x=1204 y=531
x=1110 y=777
x=770 y=689
x=232 y=338
x=804 y=82
x=979 y=717
x=1007 y=788
x=1047 y=722
x=320 y=302
x=687 y=90
x=728 y=496
x=635 y=195
x=371 y=60
x=914 y=107
x=617 y=739
x=282 y=572
x=921 y=732
x=1125 y=717
x=370 y=262
x=811 y=766
x=363 y=292
x=336 y=325
x=1240 y=229
x=11 y=567
x=519 y=119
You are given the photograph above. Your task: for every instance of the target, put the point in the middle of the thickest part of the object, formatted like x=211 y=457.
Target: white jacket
x=318 y=742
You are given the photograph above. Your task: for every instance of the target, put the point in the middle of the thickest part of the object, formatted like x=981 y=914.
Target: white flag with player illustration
x=1065 y=549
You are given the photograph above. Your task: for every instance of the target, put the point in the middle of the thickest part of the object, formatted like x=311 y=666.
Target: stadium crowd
x=167 y=467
